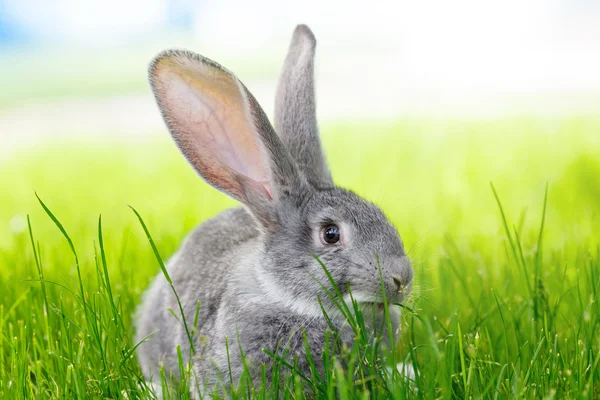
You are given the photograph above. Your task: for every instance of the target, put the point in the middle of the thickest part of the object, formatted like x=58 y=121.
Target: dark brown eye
x=331 y=234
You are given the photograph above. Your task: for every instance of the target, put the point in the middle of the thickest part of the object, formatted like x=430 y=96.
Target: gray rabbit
x=253 y=268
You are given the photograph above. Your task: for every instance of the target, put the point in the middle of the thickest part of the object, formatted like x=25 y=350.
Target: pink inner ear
x=209 y=117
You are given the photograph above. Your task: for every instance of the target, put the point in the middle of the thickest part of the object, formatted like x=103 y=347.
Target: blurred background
x=76 y=69
x=453 y=94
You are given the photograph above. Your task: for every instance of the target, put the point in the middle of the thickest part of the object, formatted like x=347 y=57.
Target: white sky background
x=458 y=45
x=379 y=58
x=460 y=56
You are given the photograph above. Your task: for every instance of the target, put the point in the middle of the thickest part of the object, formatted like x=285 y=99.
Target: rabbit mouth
x=374 y=306
x=378 y=305
x=375 y=303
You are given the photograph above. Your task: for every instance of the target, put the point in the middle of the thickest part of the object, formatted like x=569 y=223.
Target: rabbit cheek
x=338 y=272
x=341 y=280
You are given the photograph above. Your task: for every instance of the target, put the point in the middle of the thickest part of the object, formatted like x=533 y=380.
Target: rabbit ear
x=295 y=111
x=222 y=131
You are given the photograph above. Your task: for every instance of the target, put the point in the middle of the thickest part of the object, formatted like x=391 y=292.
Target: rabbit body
x=253 y=269
x=201 y=272
x=215 y=263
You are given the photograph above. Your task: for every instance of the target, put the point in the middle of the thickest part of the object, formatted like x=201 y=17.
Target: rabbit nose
x=399 y=283
x=403 y=280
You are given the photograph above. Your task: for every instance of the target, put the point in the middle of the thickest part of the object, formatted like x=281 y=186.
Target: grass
x=507 y=274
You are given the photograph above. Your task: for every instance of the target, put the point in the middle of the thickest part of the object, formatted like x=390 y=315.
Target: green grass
x=505 y=304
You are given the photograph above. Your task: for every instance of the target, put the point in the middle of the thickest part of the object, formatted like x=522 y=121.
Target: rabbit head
x=281 y=176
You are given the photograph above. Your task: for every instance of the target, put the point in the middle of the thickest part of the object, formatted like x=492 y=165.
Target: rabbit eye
x=331 y=234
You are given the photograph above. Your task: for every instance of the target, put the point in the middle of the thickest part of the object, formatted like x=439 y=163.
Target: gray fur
x=295 y=109
x=260 y=287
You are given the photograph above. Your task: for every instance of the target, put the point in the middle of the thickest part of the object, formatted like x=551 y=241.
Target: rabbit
x=254 y=269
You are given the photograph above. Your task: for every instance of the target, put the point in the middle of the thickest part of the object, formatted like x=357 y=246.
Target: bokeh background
x=421 y=105
x=456 y=94
x=77 y=67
